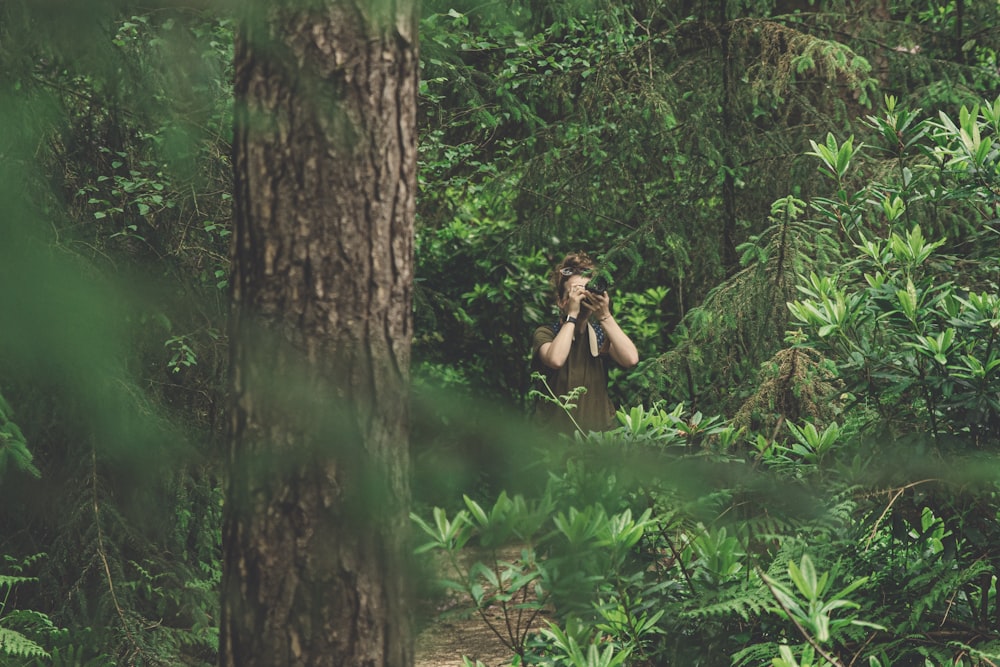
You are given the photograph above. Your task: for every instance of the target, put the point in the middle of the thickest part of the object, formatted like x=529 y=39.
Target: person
x=574 y=351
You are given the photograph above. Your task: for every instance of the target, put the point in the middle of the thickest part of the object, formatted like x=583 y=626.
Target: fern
x=14 y=644
x=8 y=581
x=988 y=653
x=943 y=584
x=935 y=655
x=746 y=606
x=755 y=654
x=28 y=619
x=13 y=447
x=19 y=626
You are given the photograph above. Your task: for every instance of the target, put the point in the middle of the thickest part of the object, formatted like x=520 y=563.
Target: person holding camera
x=575 y=350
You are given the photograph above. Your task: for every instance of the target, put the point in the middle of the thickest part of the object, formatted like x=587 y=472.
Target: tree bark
x=324 y=160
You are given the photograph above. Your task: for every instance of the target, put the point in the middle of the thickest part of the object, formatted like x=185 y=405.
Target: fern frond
x=943 y=584
x=29 y=619
x=935 y=655
x=989 y=652
x=8 y=581
x=14 y=644
x=745 y=606
x=755 y=655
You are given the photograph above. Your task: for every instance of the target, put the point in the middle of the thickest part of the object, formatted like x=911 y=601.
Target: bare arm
x=555 y=353
x=622 y=350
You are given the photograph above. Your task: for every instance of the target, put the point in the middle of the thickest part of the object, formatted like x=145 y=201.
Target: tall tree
x=324 y=162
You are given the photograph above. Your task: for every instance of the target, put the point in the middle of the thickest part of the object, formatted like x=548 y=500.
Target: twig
x=860 y=650
x=649 y=46
x=481 y=610
x=679 y=561
x=888 y=507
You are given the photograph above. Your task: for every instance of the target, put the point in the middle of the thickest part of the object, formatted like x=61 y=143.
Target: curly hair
x=579 y=262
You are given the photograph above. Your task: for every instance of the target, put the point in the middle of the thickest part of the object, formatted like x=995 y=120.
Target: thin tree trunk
x=730 y=261
x=324 y=157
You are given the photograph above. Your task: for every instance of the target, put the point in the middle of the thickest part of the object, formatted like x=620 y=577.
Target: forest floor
x=448 y=636
x=446 y=640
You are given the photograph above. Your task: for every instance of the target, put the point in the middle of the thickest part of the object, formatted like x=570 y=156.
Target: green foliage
x=16 y=645
x=665 y=139
x=836 y=159
x=23 y=632
x=813 y=606
x=567 y=402
x=514 y=585
x=902 y=325
x=466 y=291
x=911 y=341
x=737 y=322
x=13 y=447
x=115 y=157
x=566 y=650
x=614 y=579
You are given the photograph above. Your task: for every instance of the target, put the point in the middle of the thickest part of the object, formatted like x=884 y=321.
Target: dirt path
x=447 y=638
x=444 y=642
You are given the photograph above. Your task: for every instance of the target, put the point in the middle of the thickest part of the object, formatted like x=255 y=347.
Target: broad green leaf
x=804 y=577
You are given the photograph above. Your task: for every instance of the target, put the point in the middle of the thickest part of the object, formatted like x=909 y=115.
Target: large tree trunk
x=324 y=157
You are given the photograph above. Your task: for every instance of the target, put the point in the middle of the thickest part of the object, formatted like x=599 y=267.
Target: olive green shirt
x=594 y=411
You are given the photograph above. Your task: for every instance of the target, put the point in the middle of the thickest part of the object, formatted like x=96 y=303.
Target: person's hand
x=576 y=295
x=597 y=305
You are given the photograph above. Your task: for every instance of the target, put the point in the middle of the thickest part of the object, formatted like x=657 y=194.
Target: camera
x=597 y=285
